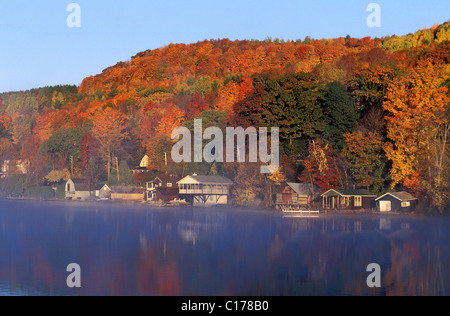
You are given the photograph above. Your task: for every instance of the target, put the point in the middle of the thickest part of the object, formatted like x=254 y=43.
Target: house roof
x=81 y=185
x=304 y=188
x=165 y=178
x=205 y=180
x=348 y=192
x=144 y=162
x=401 y=196
x=100 y=187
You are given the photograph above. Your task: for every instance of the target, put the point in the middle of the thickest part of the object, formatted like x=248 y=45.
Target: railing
x=206 y=191
x=305 y=202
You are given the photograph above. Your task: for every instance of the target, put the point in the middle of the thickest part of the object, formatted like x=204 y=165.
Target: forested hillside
x=366 y=113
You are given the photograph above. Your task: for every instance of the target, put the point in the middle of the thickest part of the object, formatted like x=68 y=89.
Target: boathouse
x=297 y=195
x=78 y=189
x=396 y=202
x=205 y=190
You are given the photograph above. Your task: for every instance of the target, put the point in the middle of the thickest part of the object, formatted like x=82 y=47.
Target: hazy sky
x=39 y=49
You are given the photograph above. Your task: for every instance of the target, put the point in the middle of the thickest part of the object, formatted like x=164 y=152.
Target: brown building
x=348 y=199
x=297 y=195
x=163 y=188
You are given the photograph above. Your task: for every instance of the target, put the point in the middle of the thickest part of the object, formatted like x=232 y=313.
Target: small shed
x=396 y=202
x=103 y=192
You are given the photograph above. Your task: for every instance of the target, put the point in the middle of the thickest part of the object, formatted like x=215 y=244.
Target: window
x=406 y=204
x=358 y=201
x=169 y=185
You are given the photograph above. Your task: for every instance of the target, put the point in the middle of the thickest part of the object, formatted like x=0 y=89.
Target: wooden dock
x=289 y=213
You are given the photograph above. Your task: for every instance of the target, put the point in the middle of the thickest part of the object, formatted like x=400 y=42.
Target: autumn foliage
x=368 y=113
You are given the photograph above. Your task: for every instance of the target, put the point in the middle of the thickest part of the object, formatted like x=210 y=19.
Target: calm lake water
x=134 y=250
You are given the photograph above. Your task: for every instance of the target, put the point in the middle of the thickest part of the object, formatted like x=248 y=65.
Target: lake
x=134 y=250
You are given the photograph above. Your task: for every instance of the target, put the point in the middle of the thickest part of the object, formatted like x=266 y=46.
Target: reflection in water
x=125 y=250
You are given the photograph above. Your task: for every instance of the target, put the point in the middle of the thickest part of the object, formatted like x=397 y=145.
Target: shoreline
x=236 y=208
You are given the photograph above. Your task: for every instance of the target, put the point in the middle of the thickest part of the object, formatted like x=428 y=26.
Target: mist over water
x=135 y=250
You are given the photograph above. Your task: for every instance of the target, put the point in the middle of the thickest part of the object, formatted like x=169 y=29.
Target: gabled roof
x=100 y=187
x=205 y=180
x=348 y=192
x=168 y=179
x=144 y=162
x=304 y=188
x=401 y=196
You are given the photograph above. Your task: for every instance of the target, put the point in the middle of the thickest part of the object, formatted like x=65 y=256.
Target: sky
x=38 y=48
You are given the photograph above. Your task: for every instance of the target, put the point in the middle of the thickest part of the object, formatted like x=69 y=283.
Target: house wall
x=289 y=197
x=368 y=202
x=166 y=198
x=79 y=195
x=83 y=195
x=71 y=185
x=104 y=194
x=348 y=202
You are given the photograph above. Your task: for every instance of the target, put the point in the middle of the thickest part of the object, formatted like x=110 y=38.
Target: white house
x=205 y=190
x=142 y=168
x=78 y=190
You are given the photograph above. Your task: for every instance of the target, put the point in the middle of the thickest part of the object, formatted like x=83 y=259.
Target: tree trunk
x=108 y=166
x=118 y=172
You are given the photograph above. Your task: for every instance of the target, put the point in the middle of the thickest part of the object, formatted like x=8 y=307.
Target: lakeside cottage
x=297 y=195
x=348 y=199
x=396 y=202
x=205 y=190
x=78 y=189
x=164 y=188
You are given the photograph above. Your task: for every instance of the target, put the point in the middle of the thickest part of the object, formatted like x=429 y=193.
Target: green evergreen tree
x=341 y=114
x=126 y=178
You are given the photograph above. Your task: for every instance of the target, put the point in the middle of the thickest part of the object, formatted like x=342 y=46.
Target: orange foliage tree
x=109 y=128
x=418 y=127
x=324 y=167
